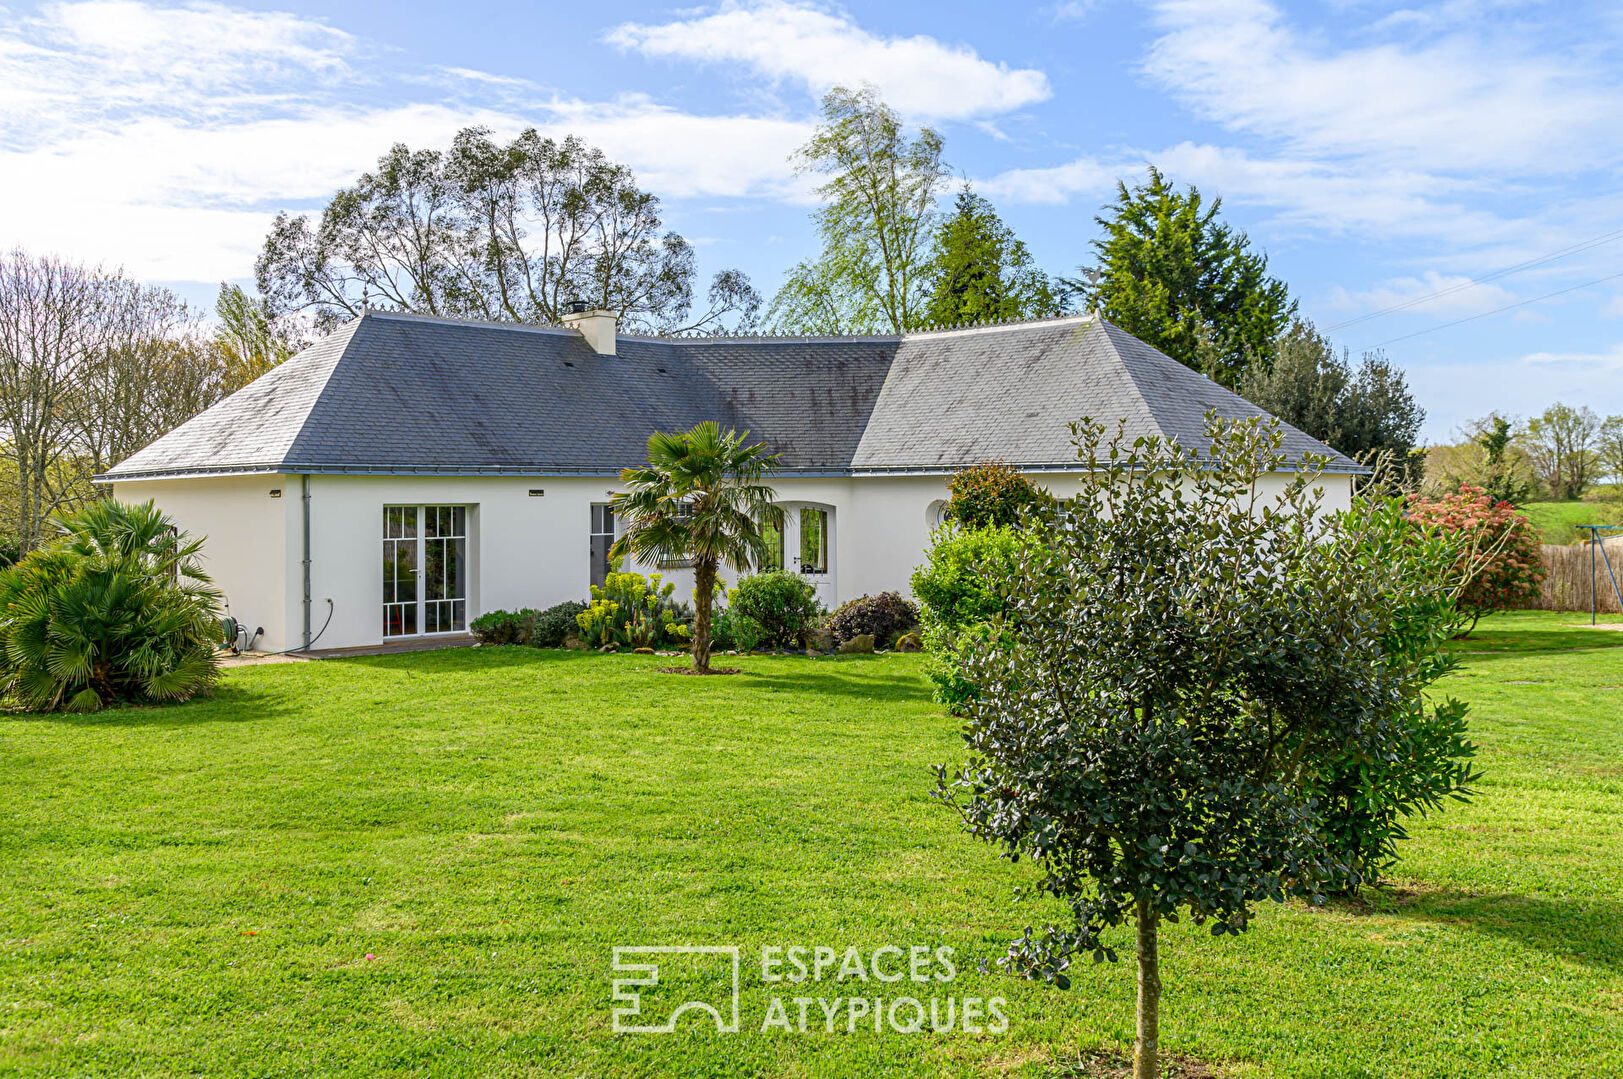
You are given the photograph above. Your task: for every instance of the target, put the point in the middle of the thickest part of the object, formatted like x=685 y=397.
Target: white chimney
x=595 y=325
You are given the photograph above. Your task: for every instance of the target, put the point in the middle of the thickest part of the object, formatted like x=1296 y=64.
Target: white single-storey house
x=408 y=473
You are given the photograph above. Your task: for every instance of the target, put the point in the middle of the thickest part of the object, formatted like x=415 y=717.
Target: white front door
x=425 y=570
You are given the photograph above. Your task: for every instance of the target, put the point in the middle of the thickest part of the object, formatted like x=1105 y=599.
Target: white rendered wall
x=523 y=550
x=249 y=540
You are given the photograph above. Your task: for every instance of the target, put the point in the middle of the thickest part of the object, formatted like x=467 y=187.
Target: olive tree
x=1185 y=648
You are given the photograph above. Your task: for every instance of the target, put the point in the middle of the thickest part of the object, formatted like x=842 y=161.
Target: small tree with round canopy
x=701 y=497
x=1180 y=655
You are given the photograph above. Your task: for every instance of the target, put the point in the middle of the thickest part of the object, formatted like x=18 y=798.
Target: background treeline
x=95 y=365
x=1564 y=467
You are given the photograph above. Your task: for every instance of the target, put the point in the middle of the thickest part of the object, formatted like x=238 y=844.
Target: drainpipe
x=304 y=484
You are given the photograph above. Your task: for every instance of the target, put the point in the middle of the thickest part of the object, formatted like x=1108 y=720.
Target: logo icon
x=707 y=964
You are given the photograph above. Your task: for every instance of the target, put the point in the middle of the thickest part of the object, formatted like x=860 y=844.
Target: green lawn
x=196 y=890
x=1555 y=521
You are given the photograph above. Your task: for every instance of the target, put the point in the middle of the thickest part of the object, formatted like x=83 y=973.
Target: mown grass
x=196 y=890
x=1557 y=521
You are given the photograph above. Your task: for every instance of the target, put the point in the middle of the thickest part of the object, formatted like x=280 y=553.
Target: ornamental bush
x=885 y=617
x=957 y=593
x=548 y=628
x=783 y=605
x=528 y=626
x=633 y=611
x=992 y=495
x=1425 y=757
x=502 y=627
x=1500 y=564
x=731 y=630
x=116 y=610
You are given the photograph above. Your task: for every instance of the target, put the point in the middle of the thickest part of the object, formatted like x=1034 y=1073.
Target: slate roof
x=392 y=393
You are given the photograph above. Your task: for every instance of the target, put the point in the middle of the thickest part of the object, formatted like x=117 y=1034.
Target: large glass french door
x=425 y=570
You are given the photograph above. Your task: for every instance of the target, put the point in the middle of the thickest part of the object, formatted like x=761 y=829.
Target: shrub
x=730 y=629
x=502 y=627
x=1426 y=758
x=548 y=628
x=783 y=605
x=957 y=598
x=116 y=610
x=634 y=611
x=992 y=495
x=885 y=617
x=1500 y=564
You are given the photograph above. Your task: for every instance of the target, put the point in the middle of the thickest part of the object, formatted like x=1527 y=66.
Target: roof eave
x=292 y=468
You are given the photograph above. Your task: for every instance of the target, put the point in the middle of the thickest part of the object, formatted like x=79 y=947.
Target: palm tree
x=116 y=609
x=700 y=498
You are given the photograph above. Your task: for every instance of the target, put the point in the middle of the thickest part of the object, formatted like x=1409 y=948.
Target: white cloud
x=684 y=155
x=919 y=76
x=1609 y=360
x=1305 y=195
x=1071 y=10
x=1431 y=293
x=1455 y=101
x=164 y=139
x=1057 y=184
x=93 y=61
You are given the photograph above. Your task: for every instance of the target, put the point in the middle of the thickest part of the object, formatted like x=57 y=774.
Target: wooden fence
x=1567 y=578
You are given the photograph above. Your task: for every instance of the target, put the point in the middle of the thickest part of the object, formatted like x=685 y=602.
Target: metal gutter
x=540 y=471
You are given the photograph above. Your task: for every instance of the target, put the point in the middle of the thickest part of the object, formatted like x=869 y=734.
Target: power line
x=1597 y=241
x=1495 y=311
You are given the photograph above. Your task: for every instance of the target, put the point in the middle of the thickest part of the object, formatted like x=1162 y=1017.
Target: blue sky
x=1382 y=154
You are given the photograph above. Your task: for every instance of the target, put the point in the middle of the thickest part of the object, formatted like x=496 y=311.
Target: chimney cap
x=579 y=307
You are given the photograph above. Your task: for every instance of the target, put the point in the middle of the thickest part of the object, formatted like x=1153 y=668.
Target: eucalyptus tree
x=702 y=497
x=509 y=232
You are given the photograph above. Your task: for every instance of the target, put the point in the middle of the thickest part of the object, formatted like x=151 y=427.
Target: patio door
x=425 y=570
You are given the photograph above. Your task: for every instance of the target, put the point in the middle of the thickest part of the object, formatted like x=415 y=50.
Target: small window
x=684 y=511
x=602 y=538
x=935 y=515
x=813 y=541
x=774 y=547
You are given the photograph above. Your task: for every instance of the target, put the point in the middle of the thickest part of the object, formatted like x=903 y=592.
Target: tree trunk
x=704 y=587
x=1147 y=1049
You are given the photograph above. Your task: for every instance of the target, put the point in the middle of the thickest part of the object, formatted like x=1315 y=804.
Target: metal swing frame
x=1595 y=544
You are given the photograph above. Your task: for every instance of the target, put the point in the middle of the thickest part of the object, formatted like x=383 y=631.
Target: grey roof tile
x=403 y=393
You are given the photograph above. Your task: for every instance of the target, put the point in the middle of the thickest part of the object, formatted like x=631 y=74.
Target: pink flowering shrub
x=1500 y=559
